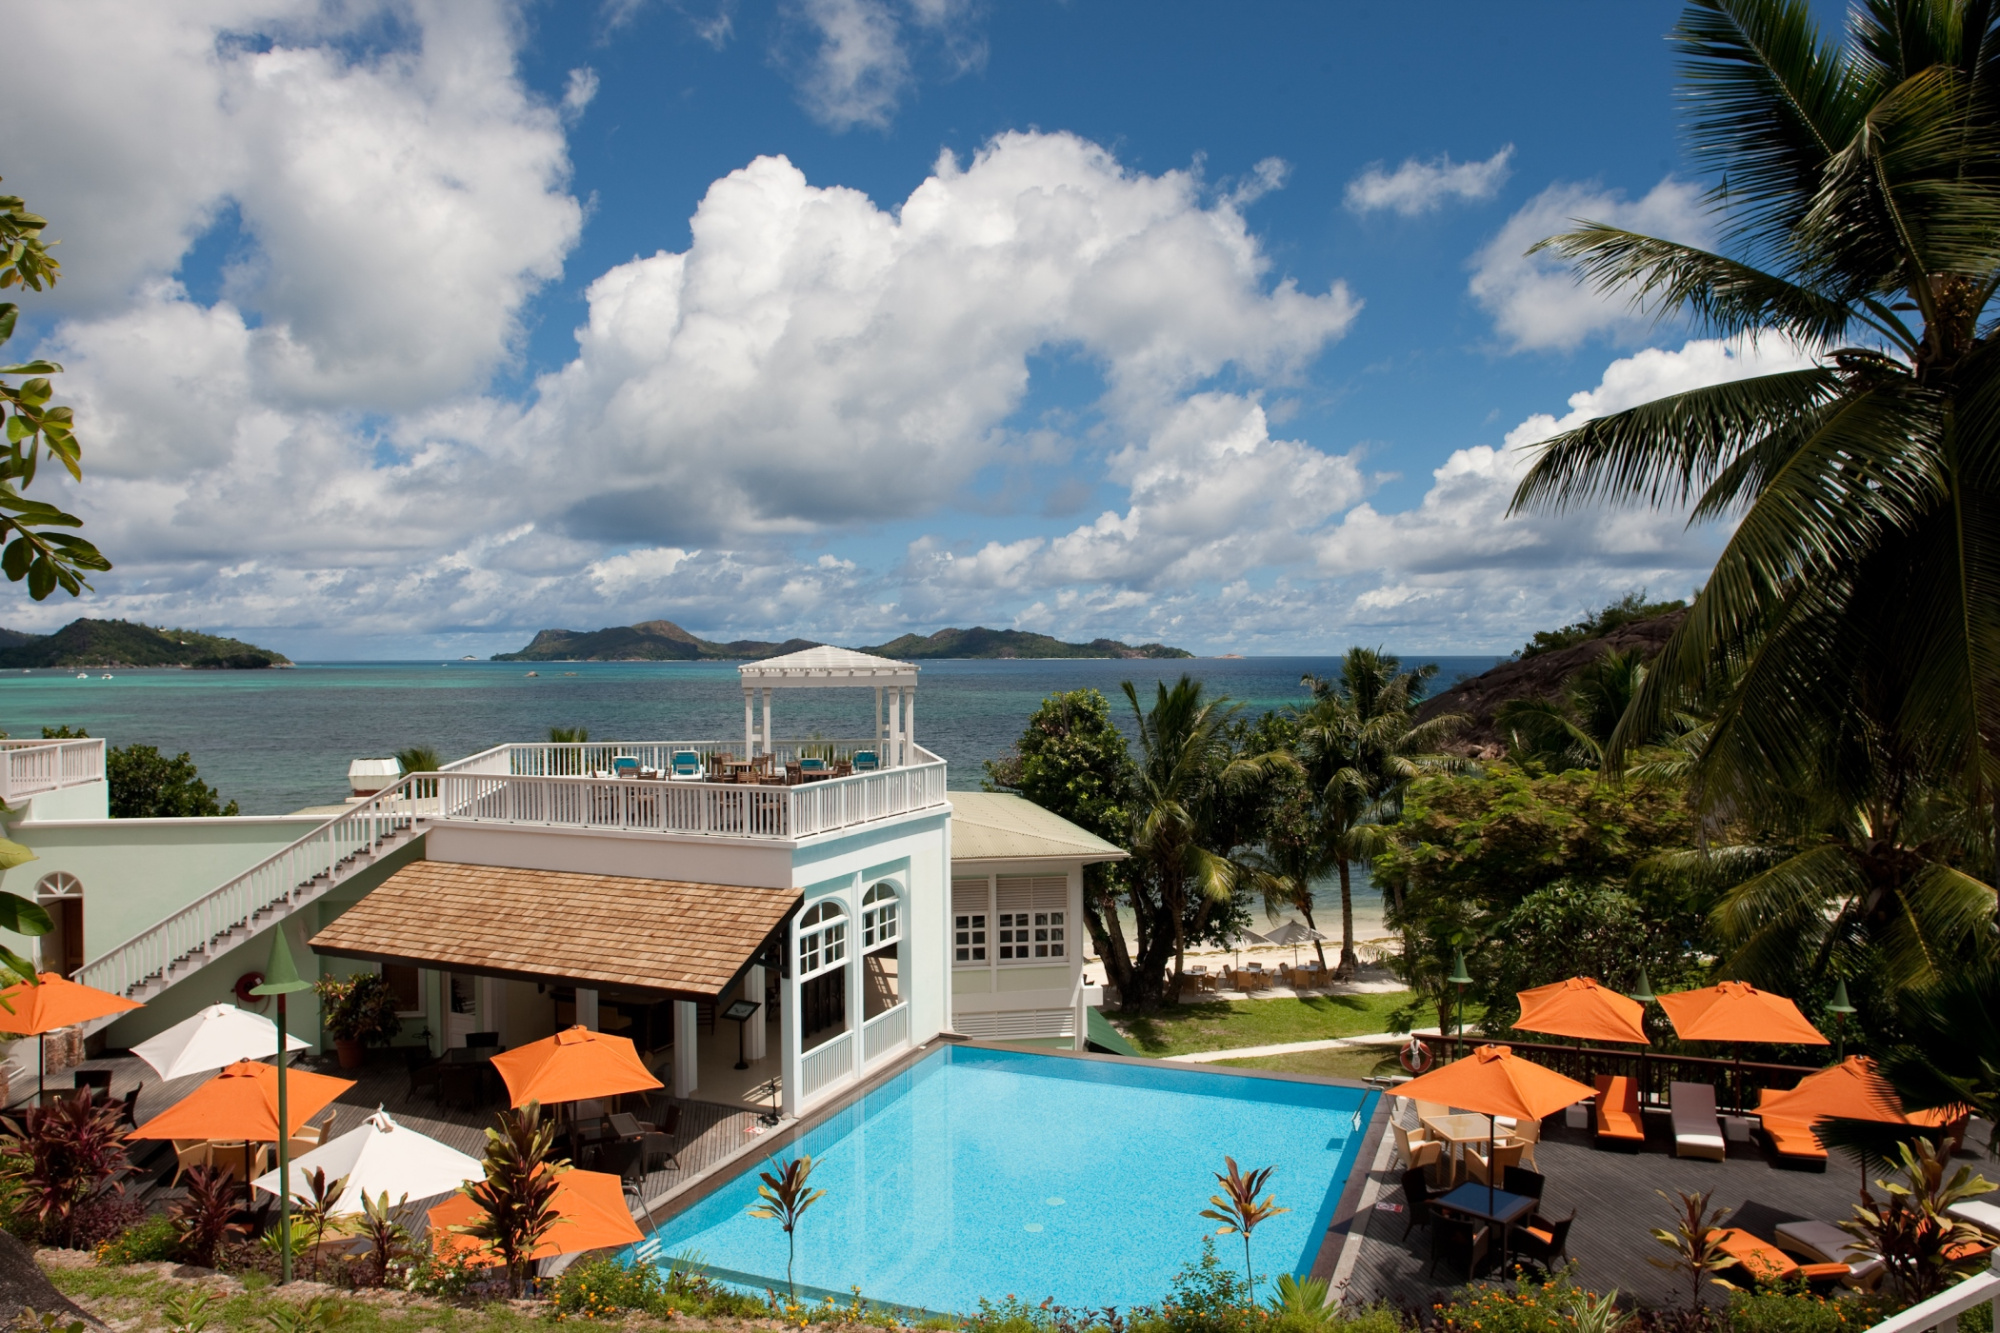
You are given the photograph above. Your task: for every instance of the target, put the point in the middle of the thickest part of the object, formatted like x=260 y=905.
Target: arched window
x=881 y=917
x=61 y=884
x=822 y=937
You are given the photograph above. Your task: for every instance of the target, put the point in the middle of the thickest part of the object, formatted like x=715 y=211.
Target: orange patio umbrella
x=241 y=1102
x=590 y=1206
x=1580 y=1007
x=1854 y=1089
x=572 y=1065
x=1736 y=1011
x=52 y=1002
x=1495 y=1081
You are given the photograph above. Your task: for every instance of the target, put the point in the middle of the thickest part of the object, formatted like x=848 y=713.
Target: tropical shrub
x=150 y=1240
x=71 y=1157
x=204 y=1219
x=1207 y=1297
x=518 y=1191
x=604 y=1286
x=1793 y=1309
x=1525 y=1307
x=1925 y=1248
x=359 y=1007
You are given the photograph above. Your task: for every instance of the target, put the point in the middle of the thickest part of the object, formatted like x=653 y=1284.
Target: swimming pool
x=988 y=1173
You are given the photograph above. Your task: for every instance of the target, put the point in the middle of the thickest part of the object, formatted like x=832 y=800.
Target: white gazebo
x=833 y=668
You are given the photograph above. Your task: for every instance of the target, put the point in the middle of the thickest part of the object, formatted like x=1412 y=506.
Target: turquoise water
x=279 y=740
x=984 y=1173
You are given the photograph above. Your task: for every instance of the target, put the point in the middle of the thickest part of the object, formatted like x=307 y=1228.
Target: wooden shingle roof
x=603 y=930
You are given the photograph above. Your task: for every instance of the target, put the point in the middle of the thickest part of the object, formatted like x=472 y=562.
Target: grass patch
x=1355 y=1062
x=1219 y=1025
x=118 y=1295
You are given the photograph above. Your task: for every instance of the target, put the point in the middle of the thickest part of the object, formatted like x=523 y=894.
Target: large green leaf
x=21 y=916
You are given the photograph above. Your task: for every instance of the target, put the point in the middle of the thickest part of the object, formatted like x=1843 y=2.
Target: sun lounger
x=1978 y=1212
x=1697 y=1129
x=1618 y=1111
x=1761 y=1261
x=1823 y=1242
x=687 y=766
x=1794 y=1139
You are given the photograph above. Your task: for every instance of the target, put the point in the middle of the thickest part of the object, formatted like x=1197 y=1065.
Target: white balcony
x=28 y=767
x=573 y=786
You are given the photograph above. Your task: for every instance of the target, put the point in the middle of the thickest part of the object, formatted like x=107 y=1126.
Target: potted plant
x=357 y=1010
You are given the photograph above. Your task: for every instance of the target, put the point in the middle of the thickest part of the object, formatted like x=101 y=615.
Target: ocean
x=279 y=740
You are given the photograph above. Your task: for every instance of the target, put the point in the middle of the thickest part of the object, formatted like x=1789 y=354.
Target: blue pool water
x=986 y=1173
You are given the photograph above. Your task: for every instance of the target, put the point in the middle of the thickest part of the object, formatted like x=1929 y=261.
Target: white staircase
x=263 y=895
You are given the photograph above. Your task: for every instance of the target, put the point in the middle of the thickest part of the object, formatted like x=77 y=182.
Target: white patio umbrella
x=379 y=1156
x=1236 y=943
x=219 y=1035
x=1293 y=933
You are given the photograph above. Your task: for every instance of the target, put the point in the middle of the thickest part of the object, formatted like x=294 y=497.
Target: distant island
x=648 y=641
x=664 y=641
x=120 y=643
x=982 y=642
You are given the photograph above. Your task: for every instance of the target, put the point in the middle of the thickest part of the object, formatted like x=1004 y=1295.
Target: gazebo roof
x=827 y=665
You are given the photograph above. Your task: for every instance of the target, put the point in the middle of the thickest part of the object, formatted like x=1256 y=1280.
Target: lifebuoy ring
x=1414 y=1055
x=243 y=987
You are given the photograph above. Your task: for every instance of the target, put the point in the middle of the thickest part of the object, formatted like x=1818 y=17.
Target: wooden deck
x=1612 y=1194
x=708 y=1132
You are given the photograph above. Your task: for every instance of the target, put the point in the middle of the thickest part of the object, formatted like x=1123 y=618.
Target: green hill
x=648 y=641
x=982 y=642
x=92 y=643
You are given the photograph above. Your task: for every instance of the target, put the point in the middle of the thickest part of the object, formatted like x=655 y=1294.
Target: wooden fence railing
x=1736 y=1082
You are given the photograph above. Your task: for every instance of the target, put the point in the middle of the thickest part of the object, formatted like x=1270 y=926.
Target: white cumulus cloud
x=1416 y=188
x=1535 y=301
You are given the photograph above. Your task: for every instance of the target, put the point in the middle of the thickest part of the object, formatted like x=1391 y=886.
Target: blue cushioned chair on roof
x=865 y=761
x=687 y=766
x=625 y=766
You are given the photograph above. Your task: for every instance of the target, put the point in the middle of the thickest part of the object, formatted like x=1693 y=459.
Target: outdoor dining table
x=1459 y=1130
x=1472 y=1199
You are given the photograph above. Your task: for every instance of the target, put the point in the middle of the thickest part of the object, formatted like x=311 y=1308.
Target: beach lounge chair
x=624 y=766
x=1825 y=1243
x=1762 y=1262
x=1697 y=1129
x=686 y=767
x=865 y=761
x=1794 y=1141
x=1978 y=1212
x=1618 y=1119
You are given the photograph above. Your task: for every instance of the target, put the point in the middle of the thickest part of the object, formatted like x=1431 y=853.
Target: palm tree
x=1857 y=603
x=1185 y=760
x=1573 y=728
x=1360 y=745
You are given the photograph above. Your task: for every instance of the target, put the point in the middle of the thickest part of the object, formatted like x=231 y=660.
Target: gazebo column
x=767 y=719
x=755 y=1047
x=687 y=1067
x=789 y=1036
x=749 y=722
x=586 y=1008
x=910 y=723
x=892 y=748
x=875 y=741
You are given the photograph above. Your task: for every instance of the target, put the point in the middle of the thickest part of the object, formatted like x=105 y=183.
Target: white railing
x=27 y=767
x=885 y=1033
x=1947 y=1306
x=277 y=880
x=493 y=788
x=825 y=1065
x=581 y=759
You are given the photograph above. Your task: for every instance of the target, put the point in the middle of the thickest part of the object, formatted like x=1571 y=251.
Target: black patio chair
x=1459 y=1240
x=479 y=1041
x=98 y=1079
x=1417 y=1199
x=128 y=1107
x=1543 y=1241
x=661 y=1144
x=1520 y=1180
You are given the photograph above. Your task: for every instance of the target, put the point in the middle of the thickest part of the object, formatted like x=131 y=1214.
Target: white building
x=640 y=888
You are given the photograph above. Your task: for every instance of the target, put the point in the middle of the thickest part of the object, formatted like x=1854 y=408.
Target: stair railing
x=275 y=881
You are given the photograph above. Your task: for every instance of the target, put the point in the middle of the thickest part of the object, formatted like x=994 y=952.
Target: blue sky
x=398 y=329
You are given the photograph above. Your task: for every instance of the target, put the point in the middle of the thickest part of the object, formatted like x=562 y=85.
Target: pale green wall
x=215 y=983
x=92 y=800
x=138 y=872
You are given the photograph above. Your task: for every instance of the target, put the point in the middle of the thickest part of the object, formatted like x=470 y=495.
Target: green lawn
x=1218 y=1025
x=1341 y=1062
x=138 y=1295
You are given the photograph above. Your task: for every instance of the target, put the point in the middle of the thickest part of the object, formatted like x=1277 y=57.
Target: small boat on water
x=85 y=675
x=532 y=673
